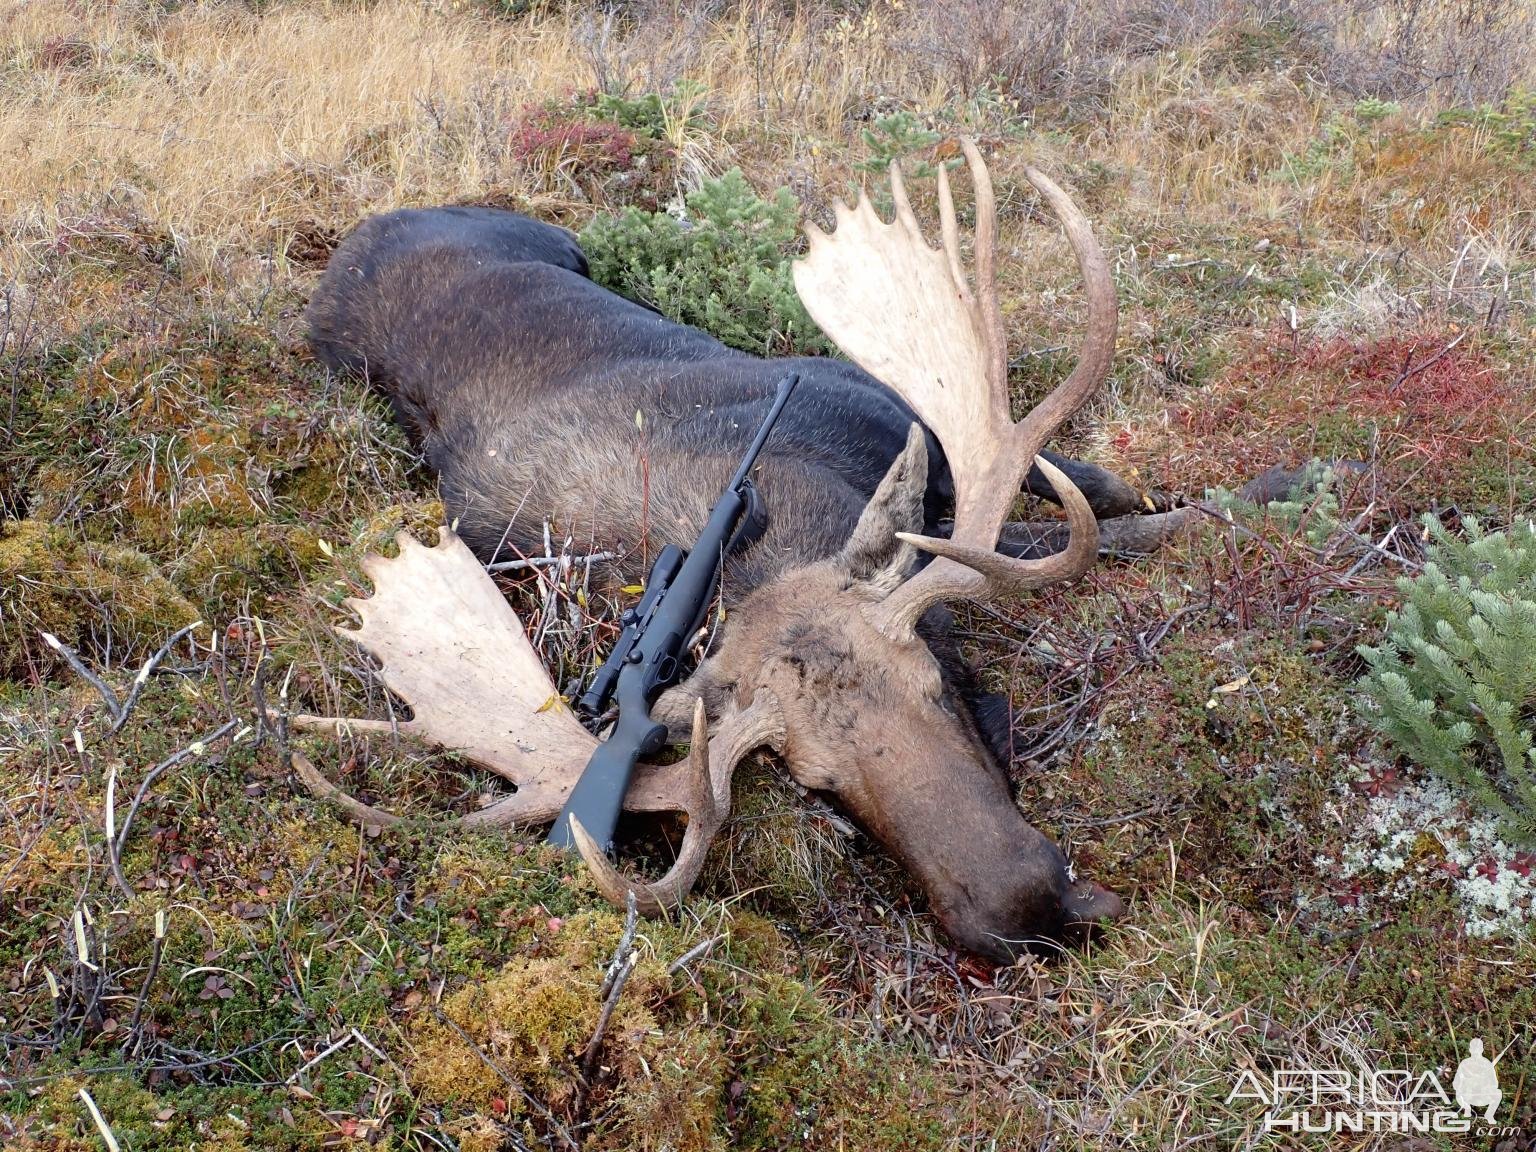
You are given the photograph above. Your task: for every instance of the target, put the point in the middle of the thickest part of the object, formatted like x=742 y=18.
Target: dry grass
x=234 y=133
x=170 y=181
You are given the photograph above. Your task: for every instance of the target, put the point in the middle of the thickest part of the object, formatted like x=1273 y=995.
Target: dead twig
x=144 y=674
x=219 y=663
x=101 y=1123
x=547 y=561
x=72 y=658
x=117 y=709
x=134 y=1040
x=196 y=748
x=137 y=1068
x=110 y=817
x=699 y=950
x=1408 y=373
x=625 y=955
x=320 y=1057
x=622 y=950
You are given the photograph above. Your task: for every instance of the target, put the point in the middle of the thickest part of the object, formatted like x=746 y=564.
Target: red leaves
x=542 y=133
x=1385 y=781
x=1434 y=396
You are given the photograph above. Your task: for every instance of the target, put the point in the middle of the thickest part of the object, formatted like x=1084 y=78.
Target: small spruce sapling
x=725 y=268
x=1453 y=685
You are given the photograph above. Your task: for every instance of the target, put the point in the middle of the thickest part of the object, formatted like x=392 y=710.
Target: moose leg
x=1107 y=494
x=1118 y=535
x=1122 y=533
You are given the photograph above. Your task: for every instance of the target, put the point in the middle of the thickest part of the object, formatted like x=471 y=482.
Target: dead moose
x=521 y=381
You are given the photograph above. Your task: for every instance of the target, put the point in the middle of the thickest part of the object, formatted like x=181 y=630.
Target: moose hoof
x=1089 y=906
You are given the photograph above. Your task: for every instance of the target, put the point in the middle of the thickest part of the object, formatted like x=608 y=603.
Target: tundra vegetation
x=1321 y=218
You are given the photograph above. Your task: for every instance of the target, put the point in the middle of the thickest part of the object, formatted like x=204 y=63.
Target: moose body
x=536 y=395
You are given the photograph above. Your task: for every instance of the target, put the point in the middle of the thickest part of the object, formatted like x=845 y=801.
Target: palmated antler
x=451 y=647
x=907 y=313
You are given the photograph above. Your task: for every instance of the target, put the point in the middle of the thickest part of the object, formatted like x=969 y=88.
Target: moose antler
x=907 y=314
x=452 y=648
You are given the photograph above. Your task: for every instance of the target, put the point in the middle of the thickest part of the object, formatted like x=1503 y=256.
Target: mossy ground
x=1302 y=273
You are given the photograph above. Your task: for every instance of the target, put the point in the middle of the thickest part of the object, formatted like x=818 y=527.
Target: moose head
x=826 y=662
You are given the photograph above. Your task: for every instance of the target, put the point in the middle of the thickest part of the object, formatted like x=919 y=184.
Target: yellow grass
x=227 y=129
x=231 y=132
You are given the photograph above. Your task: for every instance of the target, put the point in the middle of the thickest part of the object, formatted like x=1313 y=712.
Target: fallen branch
x=547 y=561
x=131 y=1044
x=72 y=658
x=196 y=748
x=625 y=955
x=144 y=674
x=1409 y=373
x=701 y=949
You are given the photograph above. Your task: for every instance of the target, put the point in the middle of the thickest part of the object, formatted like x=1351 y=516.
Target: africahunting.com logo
x=1300 y=1100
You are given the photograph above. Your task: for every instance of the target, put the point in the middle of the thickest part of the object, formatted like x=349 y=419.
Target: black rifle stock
x=647 y=659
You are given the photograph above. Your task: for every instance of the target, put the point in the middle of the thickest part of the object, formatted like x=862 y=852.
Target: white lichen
x=1413 y=832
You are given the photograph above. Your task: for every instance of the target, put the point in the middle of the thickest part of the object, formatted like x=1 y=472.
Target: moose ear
x=873 y=554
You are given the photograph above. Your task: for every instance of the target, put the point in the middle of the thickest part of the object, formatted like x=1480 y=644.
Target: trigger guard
x=754 y=522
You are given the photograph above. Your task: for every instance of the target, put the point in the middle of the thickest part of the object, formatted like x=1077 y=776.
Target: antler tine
x=511 y=810
x=949 y=229
x=323 y=788
x=712 y=764
x=904 y=212
x=986 y=267
x=967 y=572
x=1097 y=353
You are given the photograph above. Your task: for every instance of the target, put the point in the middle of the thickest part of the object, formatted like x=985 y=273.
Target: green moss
x=234 y=570
x=97 y=598
x=212 y=1118
x=802 y=1081
x=1242 y=735
x=532 y=1021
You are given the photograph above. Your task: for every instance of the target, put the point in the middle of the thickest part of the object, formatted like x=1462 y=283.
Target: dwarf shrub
x=723 y=268
x=1453 y=685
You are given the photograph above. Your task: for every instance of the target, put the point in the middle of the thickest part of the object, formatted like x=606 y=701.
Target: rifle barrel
x=645 y=662
x=786 y=386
